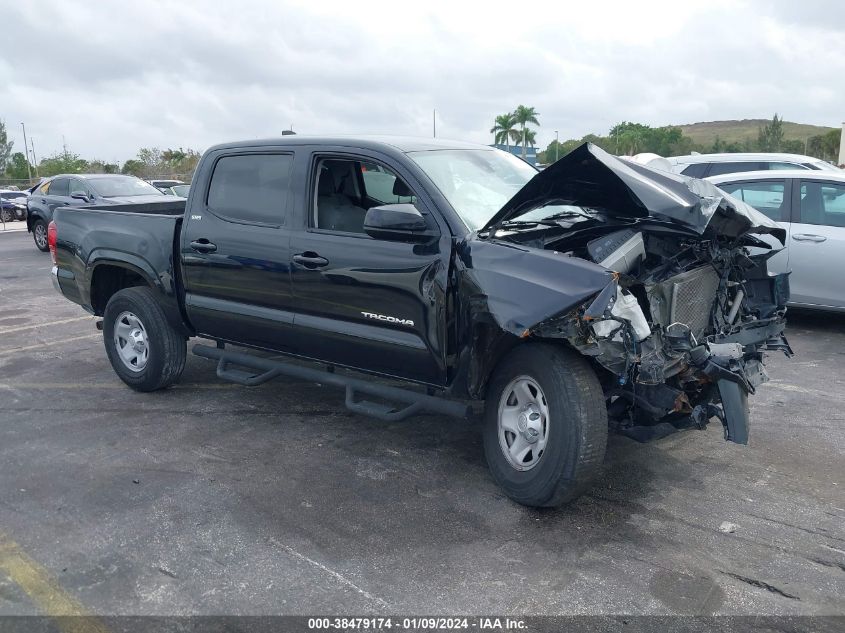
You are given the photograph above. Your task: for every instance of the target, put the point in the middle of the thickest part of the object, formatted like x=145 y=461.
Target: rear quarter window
x=251 y=188
x=696 y=170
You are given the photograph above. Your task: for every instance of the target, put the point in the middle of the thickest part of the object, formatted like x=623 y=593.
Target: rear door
x=363 y=302
x=772 y=198
x=817 y=243
x=235 y=248
x=58 y=195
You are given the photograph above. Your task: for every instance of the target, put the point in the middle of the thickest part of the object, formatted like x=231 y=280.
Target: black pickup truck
x=596 y=295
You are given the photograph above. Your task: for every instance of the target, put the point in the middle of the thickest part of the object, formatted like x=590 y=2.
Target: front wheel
x=143 y=348
x=6 y=215
x=39 y=234
x=545 y=426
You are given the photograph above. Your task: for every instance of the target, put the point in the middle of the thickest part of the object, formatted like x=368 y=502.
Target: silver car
x=810 y=205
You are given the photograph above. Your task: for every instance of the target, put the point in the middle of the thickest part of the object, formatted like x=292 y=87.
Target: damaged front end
x=683 y=332
x=678 y=334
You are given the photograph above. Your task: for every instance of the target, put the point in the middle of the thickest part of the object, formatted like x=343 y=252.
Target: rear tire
x=545 y=425
x=146 y=352
x=39 y=234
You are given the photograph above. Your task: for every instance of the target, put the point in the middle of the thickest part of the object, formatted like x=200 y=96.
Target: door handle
x=808 y=237
x=202 y=245
x=309 y=259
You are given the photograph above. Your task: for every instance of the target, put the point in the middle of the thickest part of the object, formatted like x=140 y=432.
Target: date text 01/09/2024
x=416 y=623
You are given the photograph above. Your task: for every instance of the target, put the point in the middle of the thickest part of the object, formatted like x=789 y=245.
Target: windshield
x=180 y=190
x=119 y=186
x=476 y=182
x=8 y=195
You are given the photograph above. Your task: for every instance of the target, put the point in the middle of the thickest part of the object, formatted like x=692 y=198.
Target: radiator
x=692 y=298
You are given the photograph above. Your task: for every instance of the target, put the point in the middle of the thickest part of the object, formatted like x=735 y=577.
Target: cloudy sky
x=112 y=77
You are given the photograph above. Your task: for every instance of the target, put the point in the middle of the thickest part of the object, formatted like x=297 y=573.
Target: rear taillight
x=51 y=240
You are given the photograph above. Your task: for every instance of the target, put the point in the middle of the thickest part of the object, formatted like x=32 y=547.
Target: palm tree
x=525 y=115
x=504 y=129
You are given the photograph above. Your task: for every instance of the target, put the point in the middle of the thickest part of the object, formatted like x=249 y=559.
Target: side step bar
x=268 y=369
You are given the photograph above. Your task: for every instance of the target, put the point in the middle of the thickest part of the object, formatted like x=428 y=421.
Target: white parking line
x=331 y=572
x=37 y=325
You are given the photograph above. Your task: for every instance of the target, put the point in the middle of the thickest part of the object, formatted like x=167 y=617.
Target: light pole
x=26 y=152
x=557 y=145
x=34 y=160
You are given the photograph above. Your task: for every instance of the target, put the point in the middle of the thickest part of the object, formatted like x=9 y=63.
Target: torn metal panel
x=590 y=177
x=518 y=287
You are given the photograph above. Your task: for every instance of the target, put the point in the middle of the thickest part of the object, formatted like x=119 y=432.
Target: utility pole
x=34 y=160
x=434 y=123
x=26 y=151
x=557 y=145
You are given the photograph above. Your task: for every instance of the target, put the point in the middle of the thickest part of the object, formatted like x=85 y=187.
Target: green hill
x=705 y=133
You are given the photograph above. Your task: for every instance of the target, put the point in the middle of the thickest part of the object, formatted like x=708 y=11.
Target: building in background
x=530 y=152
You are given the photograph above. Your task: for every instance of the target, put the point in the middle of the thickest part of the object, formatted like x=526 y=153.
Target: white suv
x=706 y=165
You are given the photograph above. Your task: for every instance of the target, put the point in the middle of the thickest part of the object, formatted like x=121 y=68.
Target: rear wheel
x=143 y=348
x=39 y=234
x=545 y=427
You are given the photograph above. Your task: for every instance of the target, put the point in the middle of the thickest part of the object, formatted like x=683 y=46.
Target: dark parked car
x=74 y=190
x=594 y=295
x=12 y=205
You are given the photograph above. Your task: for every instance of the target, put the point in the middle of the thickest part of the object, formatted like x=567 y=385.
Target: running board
x=264 y=369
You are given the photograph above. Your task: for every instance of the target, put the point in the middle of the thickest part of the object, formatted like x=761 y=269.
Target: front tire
x=145 y=351
x=39 y=234
x=6 y=215
x=545 y=425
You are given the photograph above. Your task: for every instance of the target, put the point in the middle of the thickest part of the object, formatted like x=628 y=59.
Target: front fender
x=505 y=290
x=518 y=287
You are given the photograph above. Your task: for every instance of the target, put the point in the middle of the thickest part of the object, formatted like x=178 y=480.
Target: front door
x=365 y=302
x=234 y=249
x=771 y=197
x=817 y=244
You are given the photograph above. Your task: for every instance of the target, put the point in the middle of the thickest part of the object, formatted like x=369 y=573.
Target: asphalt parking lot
x=210 y=498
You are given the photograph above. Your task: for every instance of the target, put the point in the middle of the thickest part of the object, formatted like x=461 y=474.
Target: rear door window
x=717 y=169
x=822 y=203
x=60 y=187
x=251 y=188
x=774 y=166
x=767 y=196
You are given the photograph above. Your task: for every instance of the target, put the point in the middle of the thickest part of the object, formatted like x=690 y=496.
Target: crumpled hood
x=590 y=177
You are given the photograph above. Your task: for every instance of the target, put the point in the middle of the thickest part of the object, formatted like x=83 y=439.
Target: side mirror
x=397 y=223
x=79 y=195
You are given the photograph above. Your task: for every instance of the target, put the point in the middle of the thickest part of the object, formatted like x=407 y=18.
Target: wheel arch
x=110 y=276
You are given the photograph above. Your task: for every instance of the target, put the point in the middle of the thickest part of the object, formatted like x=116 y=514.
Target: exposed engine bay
x=683 y=324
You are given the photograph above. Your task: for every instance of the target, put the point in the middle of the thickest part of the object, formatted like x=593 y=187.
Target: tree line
x=633 y=138
x=149 y=162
